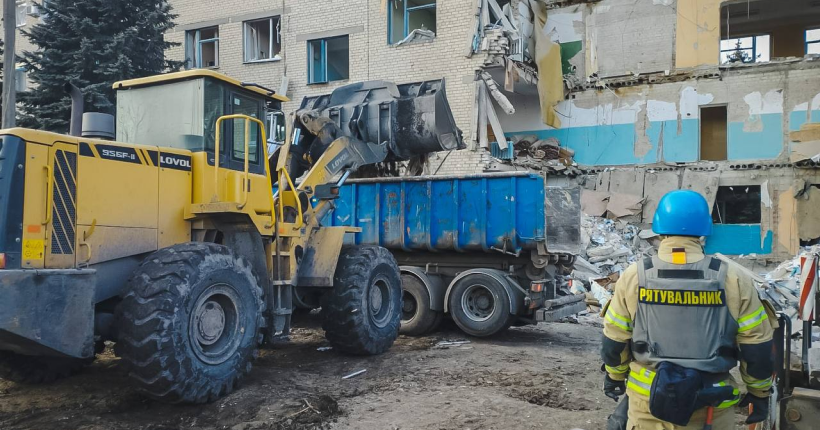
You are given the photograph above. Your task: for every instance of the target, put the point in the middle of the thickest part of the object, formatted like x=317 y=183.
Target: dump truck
x=158 y=230
x=489 y=250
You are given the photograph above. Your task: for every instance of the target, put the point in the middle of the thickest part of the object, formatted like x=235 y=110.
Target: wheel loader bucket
x=412 y=119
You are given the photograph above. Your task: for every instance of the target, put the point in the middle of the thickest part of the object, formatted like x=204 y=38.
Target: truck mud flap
x=560 y=308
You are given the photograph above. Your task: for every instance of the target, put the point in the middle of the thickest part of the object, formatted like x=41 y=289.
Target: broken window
x=262 y=39
x=202 y=48
x=813 y=41
x=737 y=205
x=752 y=49
x=404 y=16
x=713 y=135
x=20 y=79
x=21 y=14
x=754 y=31
x=328 y=60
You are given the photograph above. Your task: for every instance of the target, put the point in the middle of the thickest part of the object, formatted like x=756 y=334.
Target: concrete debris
x=354 y=374
x=541 y=155
x=418 y=35
x=445 y=344
x=499 y=97
x=781 y=286
x=609 y=247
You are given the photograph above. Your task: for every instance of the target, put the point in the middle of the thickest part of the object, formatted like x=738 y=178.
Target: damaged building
x=630 y=99
x=722 y=97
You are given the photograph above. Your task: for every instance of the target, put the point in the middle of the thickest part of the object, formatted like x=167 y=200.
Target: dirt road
x=544 y=377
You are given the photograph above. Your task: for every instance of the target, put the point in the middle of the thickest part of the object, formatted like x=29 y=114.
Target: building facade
x=647 y=95
x=313 y=47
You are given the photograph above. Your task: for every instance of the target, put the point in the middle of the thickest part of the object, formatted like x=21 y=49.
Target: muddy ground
x=544 y=377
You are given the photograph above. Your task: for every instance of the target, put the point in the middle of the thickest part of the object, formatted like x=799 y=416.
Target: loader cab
x=180 y=110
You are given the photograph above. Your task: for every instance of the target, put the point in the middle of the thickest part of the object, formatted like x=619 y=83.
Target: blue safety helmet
x=682 y=213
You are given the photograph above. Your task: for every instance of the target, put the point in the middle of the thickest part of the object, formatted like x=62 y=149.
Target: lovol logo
x=338 y=163
x=174 y=161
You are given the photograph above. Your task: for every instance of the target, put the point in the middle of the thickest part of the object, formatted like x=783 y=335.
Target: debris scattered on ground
x=444 y=344
x=354 y=374
x=324 y=348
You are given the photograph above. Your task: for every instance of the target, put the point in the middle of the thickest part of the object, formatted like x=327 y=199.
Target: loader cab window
x=183 y=115
x=220 y=100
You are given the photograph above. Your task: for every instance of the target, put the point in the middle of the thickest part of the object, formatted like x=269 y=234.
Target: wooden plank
x=500 y=137
x=500 y=14
x=483 y=140
x=485 y=16
x=474 y=131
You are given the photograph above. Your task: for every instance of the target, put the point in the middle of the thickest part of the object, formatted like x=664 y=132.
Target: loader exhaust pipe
x=77 y=107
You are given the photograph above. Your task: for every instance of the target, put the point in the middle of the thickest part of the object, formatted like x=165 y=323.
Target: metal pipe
x=9 y=98
x=77 y=107
x=344 y=177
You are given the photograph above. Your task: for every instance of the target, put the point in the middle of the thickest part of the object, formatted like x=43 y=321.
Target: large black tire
x=190 y=324
x=362 y=313
x=480 y=305
x=416 y=317
x=36 y=370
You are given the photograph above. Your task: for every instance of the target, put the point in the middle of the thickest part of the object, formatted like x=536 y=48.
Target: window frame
x=406 y=30
x=195 y=37
x=274 y=31
x=324 y=61
x=226 y=146
x=21 y=9
x=753 y=48
x=810 y=42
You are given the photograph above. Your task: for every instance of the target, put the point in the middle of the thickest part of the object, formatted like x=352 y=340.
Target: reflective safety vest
x=682 y=316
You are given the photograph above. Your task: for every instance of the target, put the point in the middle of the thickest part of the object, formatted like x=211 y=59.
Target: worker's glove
x=760 y=408
x=614 y=389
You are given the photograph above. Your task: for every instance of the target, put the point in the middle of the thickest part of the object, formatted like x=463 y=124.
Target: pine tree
x=92 y=44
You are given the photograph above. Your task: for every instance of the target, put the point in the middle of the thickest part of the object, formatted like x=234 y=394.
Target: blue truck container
x=506 y=229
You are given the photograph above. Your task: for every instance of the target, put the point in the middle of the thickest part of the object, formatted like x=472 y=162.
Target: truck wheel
x=416 y=316
x=36 y=370
x=362 y=314
x=191 y=323
x=480 y=306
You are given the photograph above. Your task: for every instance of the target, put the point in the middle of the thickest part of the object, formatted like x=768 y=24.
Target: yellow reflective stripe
x=619 y=321
x=752 y=320
x=646 y=376
x=761 y=384
x=641 y=381
x=728 y=403
x=638 y=387
x=623 y=368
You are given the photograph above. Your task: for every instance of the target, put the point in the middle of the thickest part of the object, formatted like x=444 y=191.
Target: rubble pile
x=536 y=154
x=781 y=286
x=608 y=248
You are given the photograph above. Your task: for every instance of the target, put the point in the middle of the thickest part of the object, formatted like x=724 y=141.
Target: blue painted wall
x=738 y=239
x=677 y=147
x=615 y=144
x=756 y=145
x=797 y=119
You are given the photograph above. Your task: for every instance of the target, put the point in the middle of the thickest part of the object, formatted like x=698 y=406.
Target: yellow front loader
x=174 y=233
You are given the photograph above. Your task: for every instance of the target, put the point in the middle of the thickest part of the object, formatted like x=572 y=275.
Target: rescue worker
x=678 y=323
